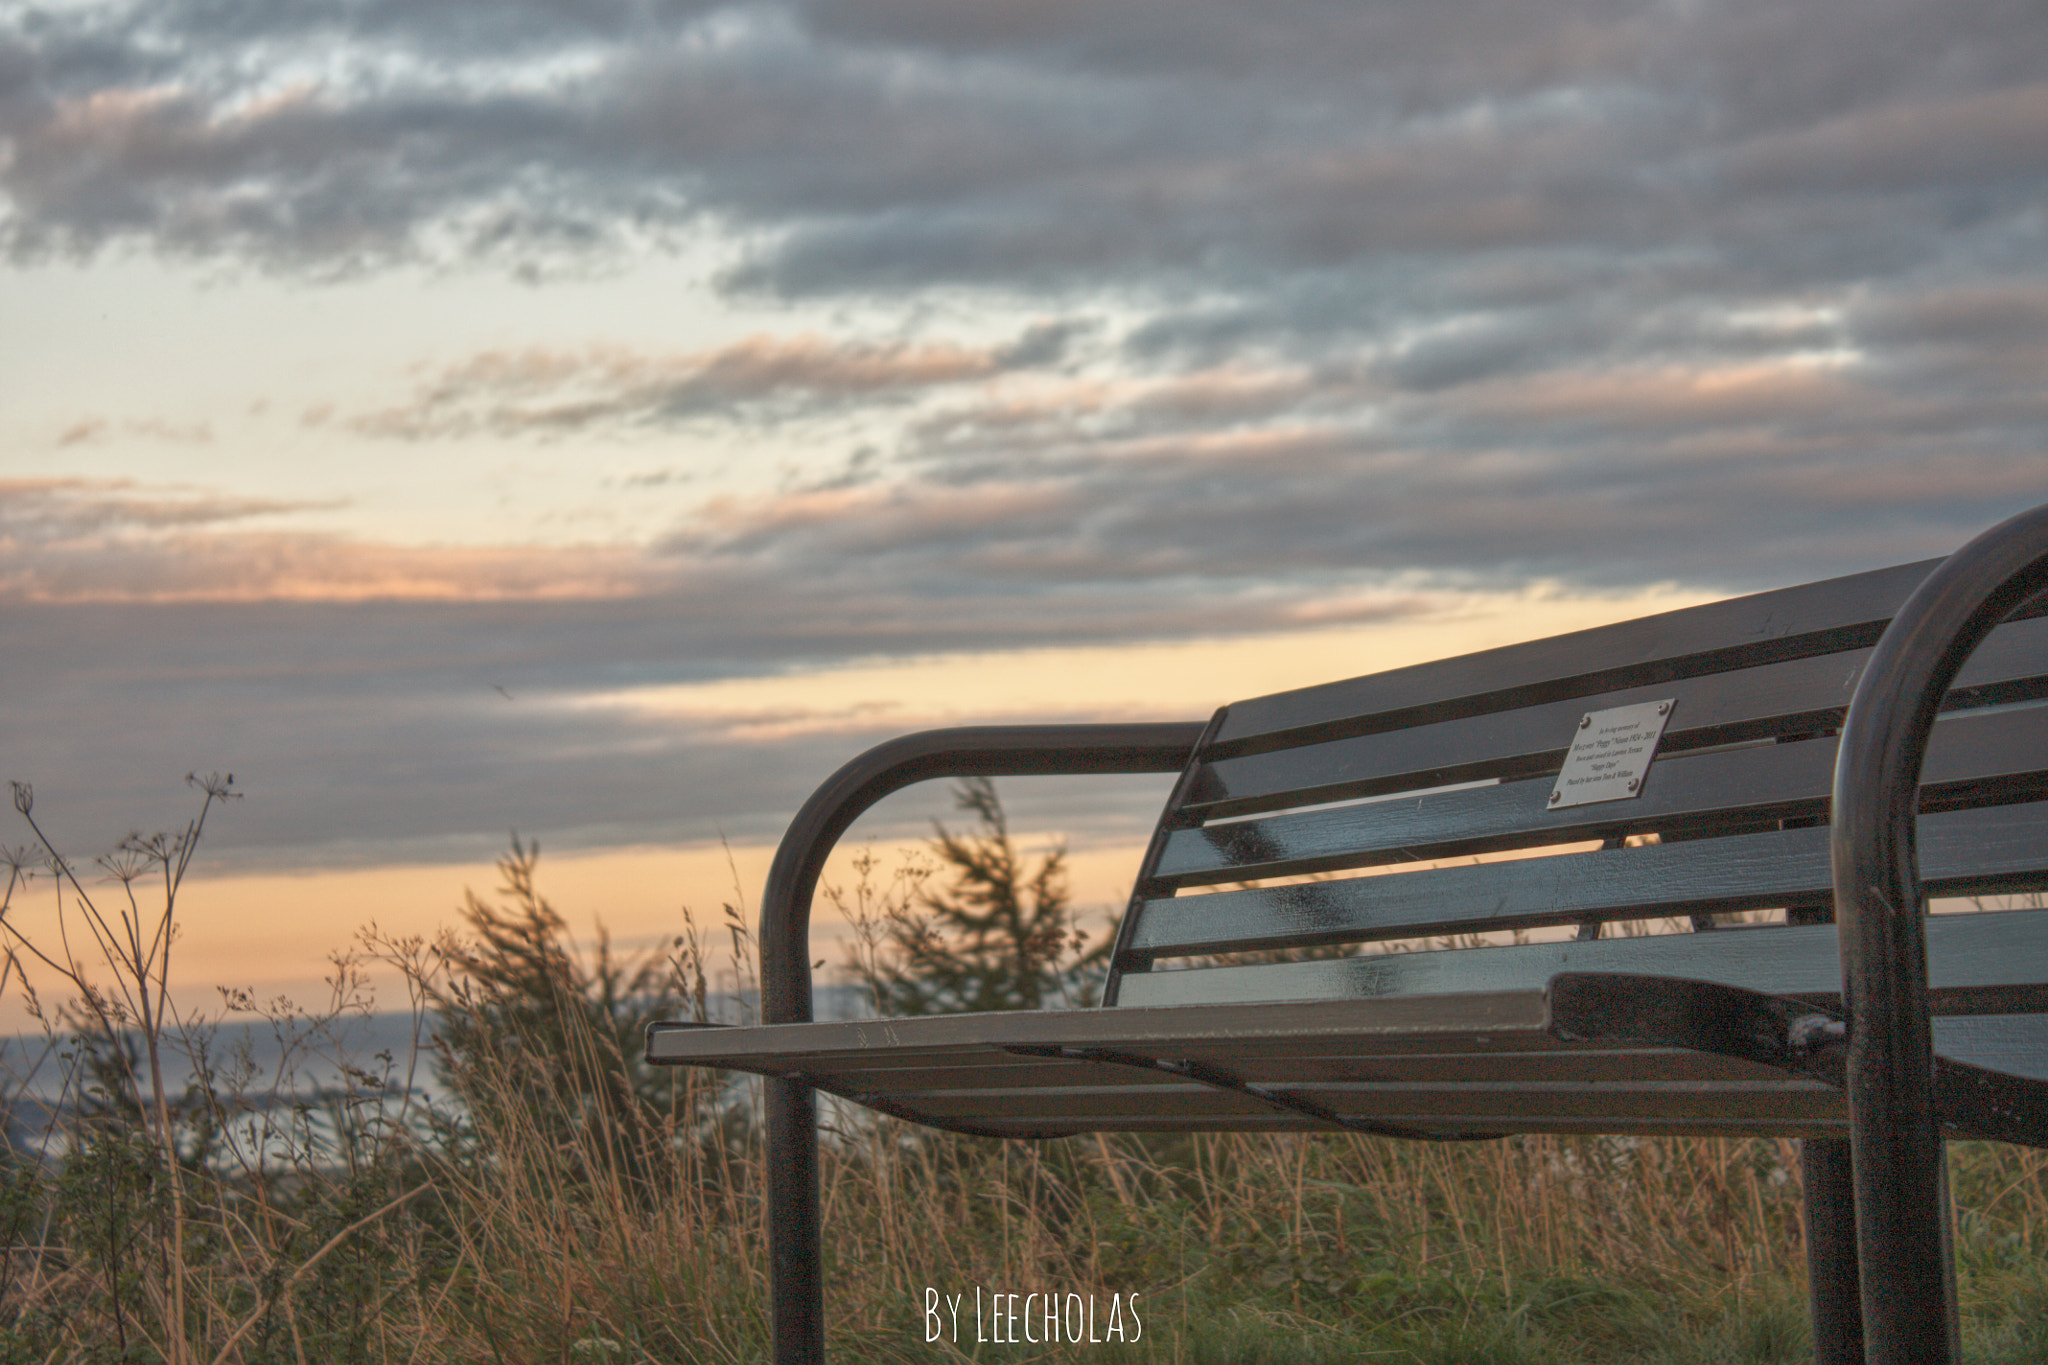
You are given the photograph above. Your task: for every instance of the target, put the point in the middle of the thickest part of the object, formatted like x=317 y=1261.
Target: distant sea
x=301 y=1064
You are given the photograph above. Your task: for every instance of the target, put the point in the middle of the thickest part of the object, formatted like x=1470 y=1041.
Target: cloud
x=896 y=144
x=54 y=511
x=549 y=392
x=287 y=566
x=1984 y=137
x=1346 y=304
x=74 y=541
x=92 y=430
x=79 y=433
x=1582 y=236
x=369 y=733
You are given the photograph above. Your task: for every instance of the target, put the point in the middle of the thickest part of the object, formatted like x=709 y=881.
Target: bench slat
x=1972 y=959
x=1768 y=1103
x=1511 y=1020
x=1740 y=632
x=1778 y=698
x=1499 y=1125
x=987 y=1070
x=1767 y=782
x=1391 y=1058
x=1968 y=852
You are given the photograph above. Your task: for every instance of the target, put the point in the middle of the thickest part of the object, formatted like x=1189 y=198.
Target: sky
x=601 y=418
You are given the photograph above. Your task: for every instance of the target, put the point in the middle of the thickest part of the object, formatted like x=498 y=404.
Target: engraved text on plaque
x=1610 y=754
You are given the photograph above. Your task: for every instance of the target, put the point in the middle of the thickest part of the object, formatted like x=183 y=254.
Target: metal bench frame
x=1877 y=1208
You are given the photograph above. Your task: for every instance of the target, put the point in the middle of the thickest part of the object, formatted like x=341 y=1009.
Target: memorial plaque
x=1610 y=754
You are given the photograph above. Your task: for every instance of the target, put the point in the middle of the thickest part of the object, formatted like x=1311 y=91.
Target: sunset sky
x=601 y=418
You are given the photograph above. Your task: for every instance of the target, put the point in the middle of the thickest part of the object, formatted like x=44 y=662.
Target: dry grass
x=578 y=1207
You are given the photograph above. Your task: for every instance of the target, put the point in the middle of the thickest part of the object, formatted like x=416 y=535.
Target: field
x=555 y=1200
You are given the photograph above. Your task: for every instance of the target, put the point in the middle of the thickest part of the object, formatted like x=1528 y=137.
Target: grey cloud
x=182 y=567
x=2003 y=313
x=552 y=392
x=1044 y=345
x=71 y=540
x=1301 y=512
x=331 y=174
x=79 y=433
x=374 y=730
x=1734 y=451
x=1449 y=51
x=895 y=145
x=656 y=478
x=94 y=429
x=1980 y=138
x=1767 y=67
x=458 y=28
x=376 y=741
x=42 y=511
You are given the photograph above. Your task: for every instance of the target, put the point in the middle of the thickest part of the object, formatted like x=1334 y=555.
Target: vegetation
x=1000 y=935
x=559 y=1201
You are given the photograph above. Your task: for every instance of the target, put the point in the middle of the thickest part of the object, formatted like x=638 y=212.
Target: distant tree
x=524 y=1023
x=998 y=934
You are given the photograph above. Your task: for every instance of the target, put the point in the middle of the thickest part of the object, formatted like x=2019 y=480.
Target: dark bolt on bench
x=1839 y=751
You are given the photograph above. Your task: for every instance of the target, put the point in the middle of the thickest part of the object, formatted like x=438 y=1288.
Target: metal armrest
x=967 y=751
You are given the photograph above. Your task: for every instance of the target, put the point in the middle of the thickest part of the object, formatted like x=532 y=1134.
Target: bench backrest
x=1407 y=808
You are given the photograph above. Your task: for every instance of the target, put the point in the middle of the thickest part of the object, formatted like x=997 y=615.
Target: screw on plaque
x=1556 y=797
x=1663 y=708
x=1632 y=784
x=1584 y=721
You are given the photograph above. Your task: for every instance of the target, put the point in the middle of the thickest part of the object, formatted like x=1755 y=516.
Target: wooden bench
x=1449 y=800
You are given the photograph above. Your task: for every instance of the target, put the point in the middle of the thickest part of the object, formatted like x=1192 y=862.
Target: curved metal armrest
x=967 y=751
x=1895 y=1123
x=1873 y=840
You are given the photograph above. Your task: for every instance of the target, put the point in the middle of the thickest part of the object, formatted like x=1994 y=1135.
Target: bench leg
x=797 y=1296
x=1902 y=1220
x=1835 y=1293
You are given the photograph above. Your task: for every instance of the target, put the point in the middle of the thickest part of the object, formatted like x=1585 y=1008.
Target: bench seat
x=1432 y=1044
